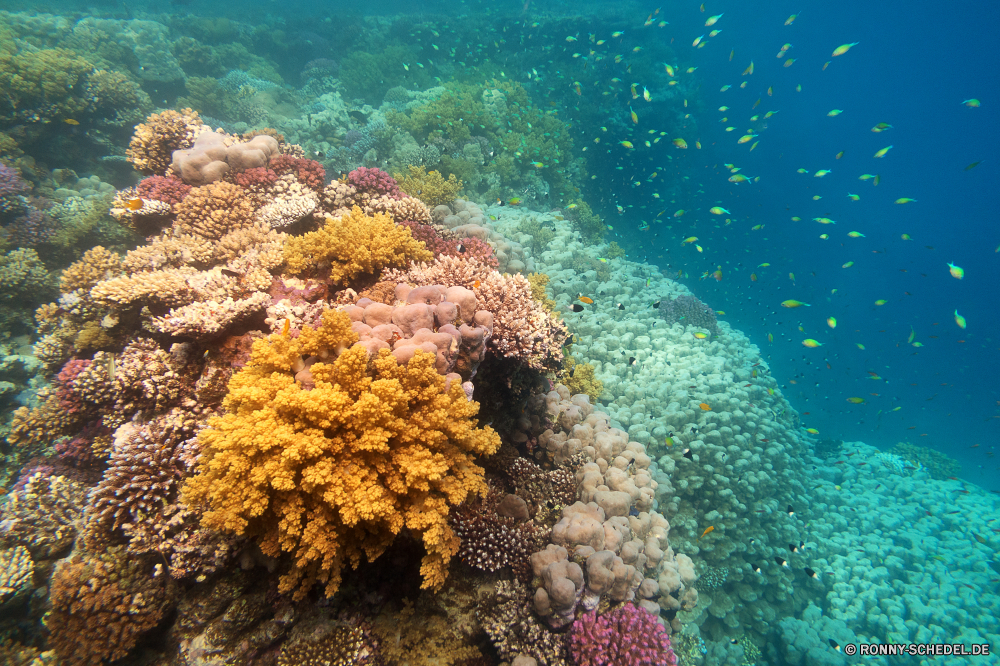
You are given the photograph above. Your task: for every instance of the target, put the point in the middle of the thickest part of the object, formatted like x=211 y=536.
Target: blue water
x=912 y=68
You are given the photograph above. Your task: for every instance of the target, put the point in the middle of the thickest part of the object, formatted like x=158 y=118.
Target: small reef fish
x=700 y=336
x=957 y=272
x=712 y=20
x=882 y=127
x=835 y=112
x=812 y=431
x=134 y=204
x=905 y=200
x=585 y=299
x=710 y=528
x=680 y=143
x=853 y=197
x=855 y=234
x=844 y=48
x=716 y=210
x=880 y=302
x=882 y=152
x=705 y=407
x=791 y=19
x=792 y=303
x=960 y=320
x=71 y=121
x=690 y=239
x=971 y=103
x=812 y=344
x=823 y=220
x=821 y=173
x=831 y=322
x=855 y=400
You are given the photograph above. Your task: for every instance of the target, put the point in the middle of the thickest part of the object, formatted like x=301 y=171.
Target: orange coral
x=151 y=148
x=333 y=474
x=353 y=244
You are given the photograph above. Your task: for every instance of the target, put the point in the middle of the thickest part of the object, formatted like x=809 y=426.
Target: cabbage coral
x=332 y=474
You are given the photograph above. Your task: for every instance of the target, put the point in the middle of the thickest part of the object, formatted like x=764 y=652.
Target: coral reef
x=430 y=187
x=624 y=636
x=345 y=465
x=154 y=142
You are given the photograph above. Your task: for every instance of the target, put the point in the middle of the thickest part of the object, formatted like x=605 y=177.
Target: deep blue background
x=913 y=67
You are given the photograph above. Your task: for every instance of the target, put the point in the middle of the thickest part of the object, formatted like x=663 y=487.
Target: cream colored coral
x=155 y=140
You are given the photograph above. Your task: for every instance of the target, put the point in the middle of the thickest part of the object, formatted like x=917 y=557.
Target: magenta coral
x=68 y=399
x=626 y=636
x=308 y=172
x=10 y=182
x=465 y=247
x=163 y=188
x=374 y=182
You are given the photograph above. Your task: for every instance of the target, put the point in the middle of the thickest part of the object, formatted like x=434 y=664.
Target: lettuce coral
x=334 y=473
x=353 y=244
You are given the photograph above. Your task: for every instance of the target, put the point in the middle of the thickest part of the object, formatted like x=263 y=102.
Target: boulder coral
x=333 y=473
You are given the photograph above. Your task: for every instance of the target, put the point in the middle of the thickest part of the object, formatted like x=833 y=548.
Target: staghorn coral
x=332 y=474
x=151 y=149
x=101 y=606
x=354 y=244
x=430 y=187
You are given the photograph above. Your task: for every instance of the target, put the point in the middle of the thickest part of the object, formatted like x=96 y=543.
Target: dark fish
x=756 y=569
x=734 y=641
x=631 y=360
x=621 y=307
x=791 y=511
x=792 y=547
x=780 y=562
x=688 y=454
x=656 y=305
x=834 y=644
x=811 y=573
x=460 y=248
x=576 y=307
x=229 y=273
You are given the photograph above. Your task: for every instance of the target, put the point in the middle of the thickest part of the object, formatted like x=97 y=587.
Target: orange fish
x=710 y=528
x=284 y=329
x=134 y=204
x=705 y=407
x=475 y=285
x=588 y=301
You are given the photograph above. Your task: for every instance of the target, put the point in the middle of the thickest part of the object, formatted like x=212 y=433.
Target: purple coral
x=11 y=183
x=626 y=636
x=374 y=182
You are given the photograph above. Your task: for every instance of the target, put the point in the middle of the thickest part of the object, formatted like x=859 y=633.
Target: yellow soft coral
x=353 y=244
x=334 y=473
x=431 y=188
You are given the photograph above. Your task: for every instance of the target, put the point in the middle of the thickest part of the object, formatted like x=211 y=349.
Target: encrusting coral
x=334 y=473
x=354 y=244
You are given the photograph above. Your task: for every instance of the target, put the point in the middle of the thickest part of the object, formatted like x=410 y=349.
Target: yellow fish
x=865 y=176
x=700 y=336
x=708 y=529
x=853 y=197
x=714 y=33
x=716 y=210
x=712 y=20
x=882 y=152
x=856 y=401
x=764 y=265
x=957 y=272
x=669 y=69
x=738 y=178
x=745 y=138
x=791 y=19
x=831 y=322
x=855 y=234
x=812 y=431
x=960 y=320
x=802 y=170
x=689 y=240
x=669 y=441
x=821 y=173
x=835 y=112
x=627 y=144
x=880 y=302
x=645 y=95
x=70 y=121
x=844 y=48
x=903 y=200
x=788 y=63
x=823 y=220
x=699 y=248
x=749 y=69
x=812 y=344
x=697 y=40
x=635 y=116
x=824 y=236
x=680 y=143
x=792 y=303
x=881 y=127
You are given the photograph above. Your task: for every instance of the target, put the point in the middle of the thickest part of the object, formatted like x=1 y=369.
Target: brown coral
x=95 y=265
x=354 y=244
x=151 y=148
x=429 y=187
x=332 y=474
x=213 y=210
x=101 y=606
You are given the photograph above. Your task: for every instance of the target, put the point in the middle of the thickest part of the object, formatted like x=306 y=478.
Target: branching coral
x=354 y=244
x=429 y=187
x=42 y=515
x=155 y=140
x=579 y=378
x=333 y=474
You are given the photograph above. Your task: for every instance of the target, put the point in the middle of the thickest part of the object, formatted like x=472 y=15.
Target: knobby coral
x=334 y=473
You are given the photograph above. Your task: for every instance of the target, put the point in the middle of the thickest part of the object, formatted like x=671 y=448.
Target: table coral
x=354 y=244
x=333 y=474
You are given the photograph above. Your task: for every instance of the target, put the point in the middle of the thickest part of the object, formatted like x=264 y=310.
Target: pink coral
x=626 y=636
x=167 y=189
x=256 y=178
x=308 y=172
x=68 y=398
x=374 y=182
x=465 y=247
